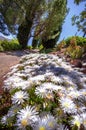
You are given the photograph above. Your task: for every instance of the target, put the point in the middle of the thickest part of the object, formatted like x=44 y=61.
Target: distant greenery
x=46 y=50
x=9 y=45
x=79 y=40
x=75 y=46
x=80 y=20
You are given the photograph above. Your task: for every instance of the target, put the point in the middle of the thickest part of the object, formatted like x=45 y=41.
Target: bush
x=29 y=47
x=75 y=46
x=79 y=40
x=46 y=50
x=61 y=45
x=1 y=48
x=74 y=52
x=9 y=45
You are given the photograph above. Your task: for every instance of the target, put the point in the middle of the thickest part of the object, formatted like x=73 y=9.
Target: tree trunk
x=23 y=32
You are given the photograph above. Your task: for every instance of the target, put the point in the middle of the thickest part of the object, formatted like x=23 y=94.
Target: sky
x=68 y=29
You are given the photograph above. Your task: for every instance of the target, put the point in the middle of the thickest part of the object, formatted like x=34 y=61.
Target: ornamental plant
x=44 y=95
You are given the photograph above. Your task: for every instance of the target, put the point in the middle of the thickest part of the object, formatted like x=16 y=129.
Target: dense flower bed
x=46 y=94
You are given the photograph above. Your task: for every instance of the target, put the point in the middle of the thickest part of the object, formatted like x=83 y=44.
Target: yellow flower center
x=50 y=124
x=49 y=96
x=42 y=128
x=66 y=105
x=24 y=122
x=20 y=96
x=77 y=123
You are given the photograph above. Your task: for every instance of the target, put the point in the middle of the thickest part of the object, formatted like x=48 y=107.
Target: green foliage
x=81 y=41
x=80 y=20
x=75 y=46
x=46 y=50
x=74 y=52
x=61 y=45
x=40 y=47
x=29 y=47
x=44 y=17
x=9 y=45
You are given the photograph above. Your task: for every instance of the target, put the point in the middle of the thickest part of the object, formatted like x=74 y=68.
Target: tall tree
x=44 y=17
x=80 y=20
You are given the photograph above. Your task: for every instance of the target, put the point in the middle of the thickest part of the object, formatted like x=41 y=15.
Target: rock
x=76 y=63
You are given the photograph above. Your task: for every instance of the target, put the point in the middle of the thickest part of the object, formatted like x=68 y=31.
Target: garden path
x=7 y=60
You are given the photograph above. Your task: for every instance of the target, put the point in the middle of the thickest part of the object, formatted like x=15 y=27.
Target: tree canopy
x=80 y=20
x=44 y=18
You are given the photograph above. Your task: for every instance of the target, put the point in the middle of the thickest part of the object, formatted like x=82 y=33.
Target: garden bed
x=46 y=94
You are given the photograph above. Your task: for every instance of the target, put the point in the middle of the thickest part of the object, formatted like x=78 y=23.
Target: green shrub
x=74 y=52
x=1 y=48
x=29 y=47
x=79 y=40
x=68 y=41
x=61 y=45
x=9 y=45
x=75 y=46
x=46 y=50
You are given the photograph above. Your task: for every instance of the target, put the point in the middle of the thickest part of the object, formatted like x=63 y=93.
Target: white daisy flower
x=19 y=97
x=28 y=112
x=27 y=116
x=23 y=123
x=19 y=74
x=51 y=122
x=57 y=80
x=50 y=86
x=40 y=91
x=81 y=109
x=20 y=84
x=67 y=105
x=83 y=118
x=76 y=120
x=62 y=127
x=83 y=92
x=13 y=110
x=24 y=85
x=45 y=123
x=4 y=120
x=38 y=78
x=74 y=94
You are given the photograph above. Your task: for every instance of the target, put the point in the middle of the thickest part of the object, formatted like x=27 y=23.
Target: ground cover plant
x=10 y=45
x=44 y=95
